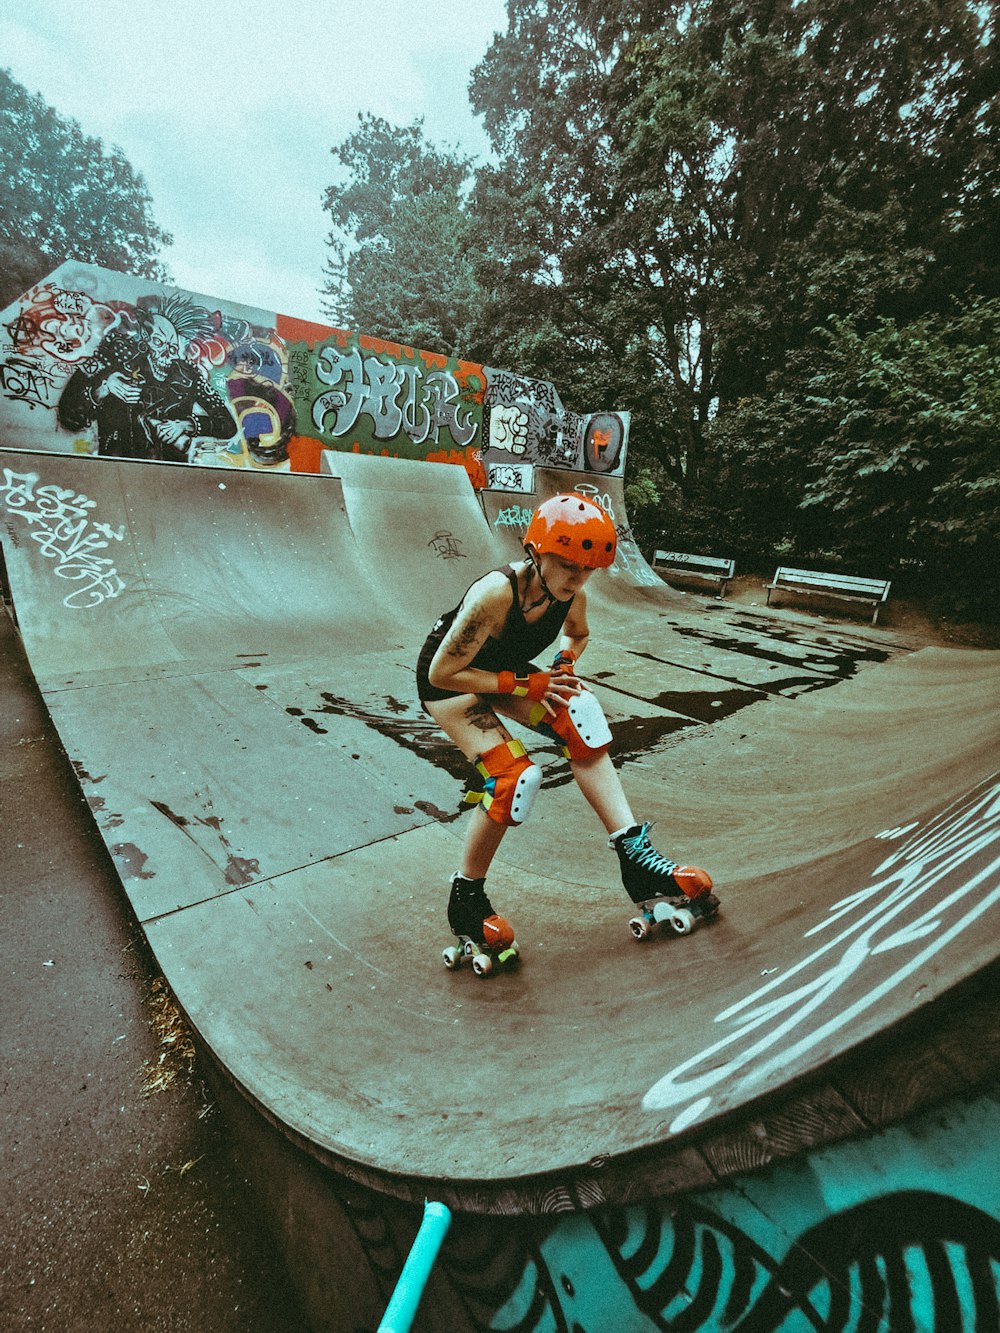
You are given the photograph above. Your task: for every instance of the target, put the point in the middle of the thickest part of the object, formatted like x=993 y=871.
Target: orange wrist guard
x=532 y=686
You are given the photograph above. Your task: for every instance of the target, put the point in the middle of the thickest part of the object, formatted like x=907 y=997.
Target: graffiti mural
x=914 y=1260
x=891 y=1232
x=139 y=390
x=62 y=524
x=104 y=363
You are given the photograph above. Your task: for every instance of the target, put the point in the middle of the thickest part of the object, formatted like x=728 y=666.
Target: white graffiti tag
x=938 y=884
x=61 y=524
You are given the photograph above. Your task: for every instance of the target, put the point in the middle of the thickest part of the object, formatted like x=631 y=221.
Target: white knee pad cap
x=525 y=790
x=589 y=723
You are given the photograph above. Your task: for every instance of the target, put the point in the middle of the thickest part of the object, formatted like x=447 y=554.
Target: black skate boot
x=661 y=888
x=484 y=937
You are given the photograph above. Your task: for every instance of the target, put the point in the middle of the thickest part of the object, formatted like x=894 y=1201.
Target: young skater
x=476 y=668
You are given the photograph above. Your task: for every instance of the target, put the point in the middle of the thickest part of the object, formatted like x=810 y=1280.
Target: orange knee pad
x=580 y=726
x=511 y=785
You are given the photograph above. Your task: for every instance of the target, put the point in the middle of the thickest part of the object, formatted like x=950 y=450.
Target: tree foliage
x=685 y=190
x=400 y=264
x=754 y=223
x=63 y=196
x=879 y=454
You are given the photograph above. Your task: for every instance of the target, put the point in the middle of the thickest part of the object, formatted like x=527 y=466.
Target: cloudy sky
x=230 y=110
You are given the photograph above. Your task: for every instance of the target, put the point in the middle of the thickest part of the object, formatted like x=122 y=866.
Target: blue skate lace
x=645 y=854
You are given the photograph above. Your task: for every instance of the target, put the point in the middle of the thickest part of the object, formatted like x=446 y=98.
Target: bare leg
x=475 y=728
x=482 y=841
x=598 y=779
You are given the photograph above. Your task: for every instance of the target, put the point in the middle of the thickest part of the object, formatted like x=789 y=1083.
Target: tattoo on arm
x=464 y=641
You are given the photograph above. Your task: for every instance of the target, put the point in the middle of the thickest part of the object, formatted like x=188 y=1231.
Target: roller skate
x=666 y=894
x=484 y=938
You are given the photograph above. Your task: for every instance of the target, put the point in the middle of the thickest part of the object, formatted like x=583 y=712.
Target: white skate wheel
x=639 y=927
x=682 y=921
x=482 y=965
x=452 y=957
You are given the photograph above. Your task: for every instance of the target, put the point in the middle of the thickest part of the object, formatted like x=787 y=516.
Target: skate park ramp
x=228 y=657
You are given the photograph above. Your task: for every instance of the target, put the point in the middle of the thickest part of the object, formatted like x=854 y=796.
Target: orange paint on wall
x=302 y=330
x=467 y=458
x=304 y=453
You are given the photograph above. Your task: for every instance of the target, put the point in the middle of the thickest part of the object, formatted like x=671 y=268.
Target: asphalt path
x=119 y=1208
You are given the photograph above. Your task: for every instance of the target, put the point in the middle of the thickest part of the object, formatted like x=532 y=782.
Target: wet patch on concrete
x=105 y=818
x=708 y=705
x=817 y=661
x=803 y=662
x=130 y=862
x=237 y=870
x=810 y=662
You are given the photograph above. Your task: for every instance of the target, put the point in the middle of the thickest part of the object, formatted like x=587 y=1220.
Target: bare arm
x=482 y=614
x=576 y=629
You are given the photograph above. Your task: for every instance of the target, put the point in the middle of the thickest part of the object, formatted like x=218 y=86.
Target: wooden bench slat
x=830 y=580
x=711 y=568
x=847 y=587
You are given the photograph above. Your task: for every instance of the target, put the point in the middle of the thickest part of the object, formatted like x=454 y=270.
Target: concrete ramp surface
x=229 y=660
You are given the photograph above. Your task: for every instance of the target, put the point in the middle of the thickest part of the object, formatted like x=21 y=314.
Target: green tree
x=684 y=190
x=62 y=196
x=400 y=265
x=879 y=453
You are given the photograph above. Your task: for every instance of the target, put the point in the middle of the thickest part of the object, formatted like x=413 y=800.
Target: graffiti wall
x=103 y=363
x=898 y=1230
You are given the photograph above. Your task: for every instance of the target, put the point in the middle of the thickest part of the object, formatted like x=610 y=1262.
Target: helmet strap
x=536 y=565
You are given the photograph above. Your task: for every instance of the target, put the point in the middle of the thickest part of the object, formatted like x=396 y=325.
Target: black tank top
x=512 y=650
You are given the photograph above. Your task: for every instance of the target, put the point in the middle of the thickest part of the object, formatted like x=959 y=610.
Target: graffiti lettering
x=511 y=477
x=397 y=398
x=66 y=326
x=24 y=380
x=62 y=526
x=507 y=388
x=447 y=546
x=514 y=516
x=921 y=898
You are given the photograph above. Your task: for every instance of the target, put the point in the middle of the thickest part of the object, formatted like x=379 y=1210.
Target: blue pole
x=402 y=1308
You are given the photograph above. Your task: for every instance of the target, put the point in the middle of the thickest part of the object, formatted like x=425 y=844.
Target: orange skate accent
x=498 y=933
x=693 y=881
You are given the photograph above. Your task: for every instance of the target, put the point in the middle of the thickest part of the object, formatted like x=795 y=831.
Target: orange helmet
x=575 y=528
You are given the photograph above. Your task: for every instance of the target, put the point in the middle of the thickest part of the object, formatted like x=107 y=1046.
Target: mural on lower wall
x=898 y=1232
x=104 y=363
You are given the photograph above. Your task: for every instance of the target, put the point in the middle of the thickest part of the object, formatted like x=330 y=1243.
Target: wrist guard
x=532 y=686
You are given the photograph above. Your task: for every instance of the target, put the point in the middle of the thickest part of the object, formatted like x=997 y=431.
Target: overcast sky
x=230 y=110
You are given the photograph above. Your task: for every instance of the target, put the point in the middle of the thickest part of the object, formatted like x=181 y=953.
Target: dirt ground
x=907 y=616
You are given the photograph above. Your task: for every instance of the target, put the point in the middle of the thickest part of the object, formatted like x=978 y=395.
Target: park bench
x=707 y=568
x=811 y=583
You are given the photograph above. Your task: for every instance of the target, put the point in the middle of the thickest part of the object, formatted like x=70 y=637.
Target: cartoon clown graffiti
x=146 y=399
